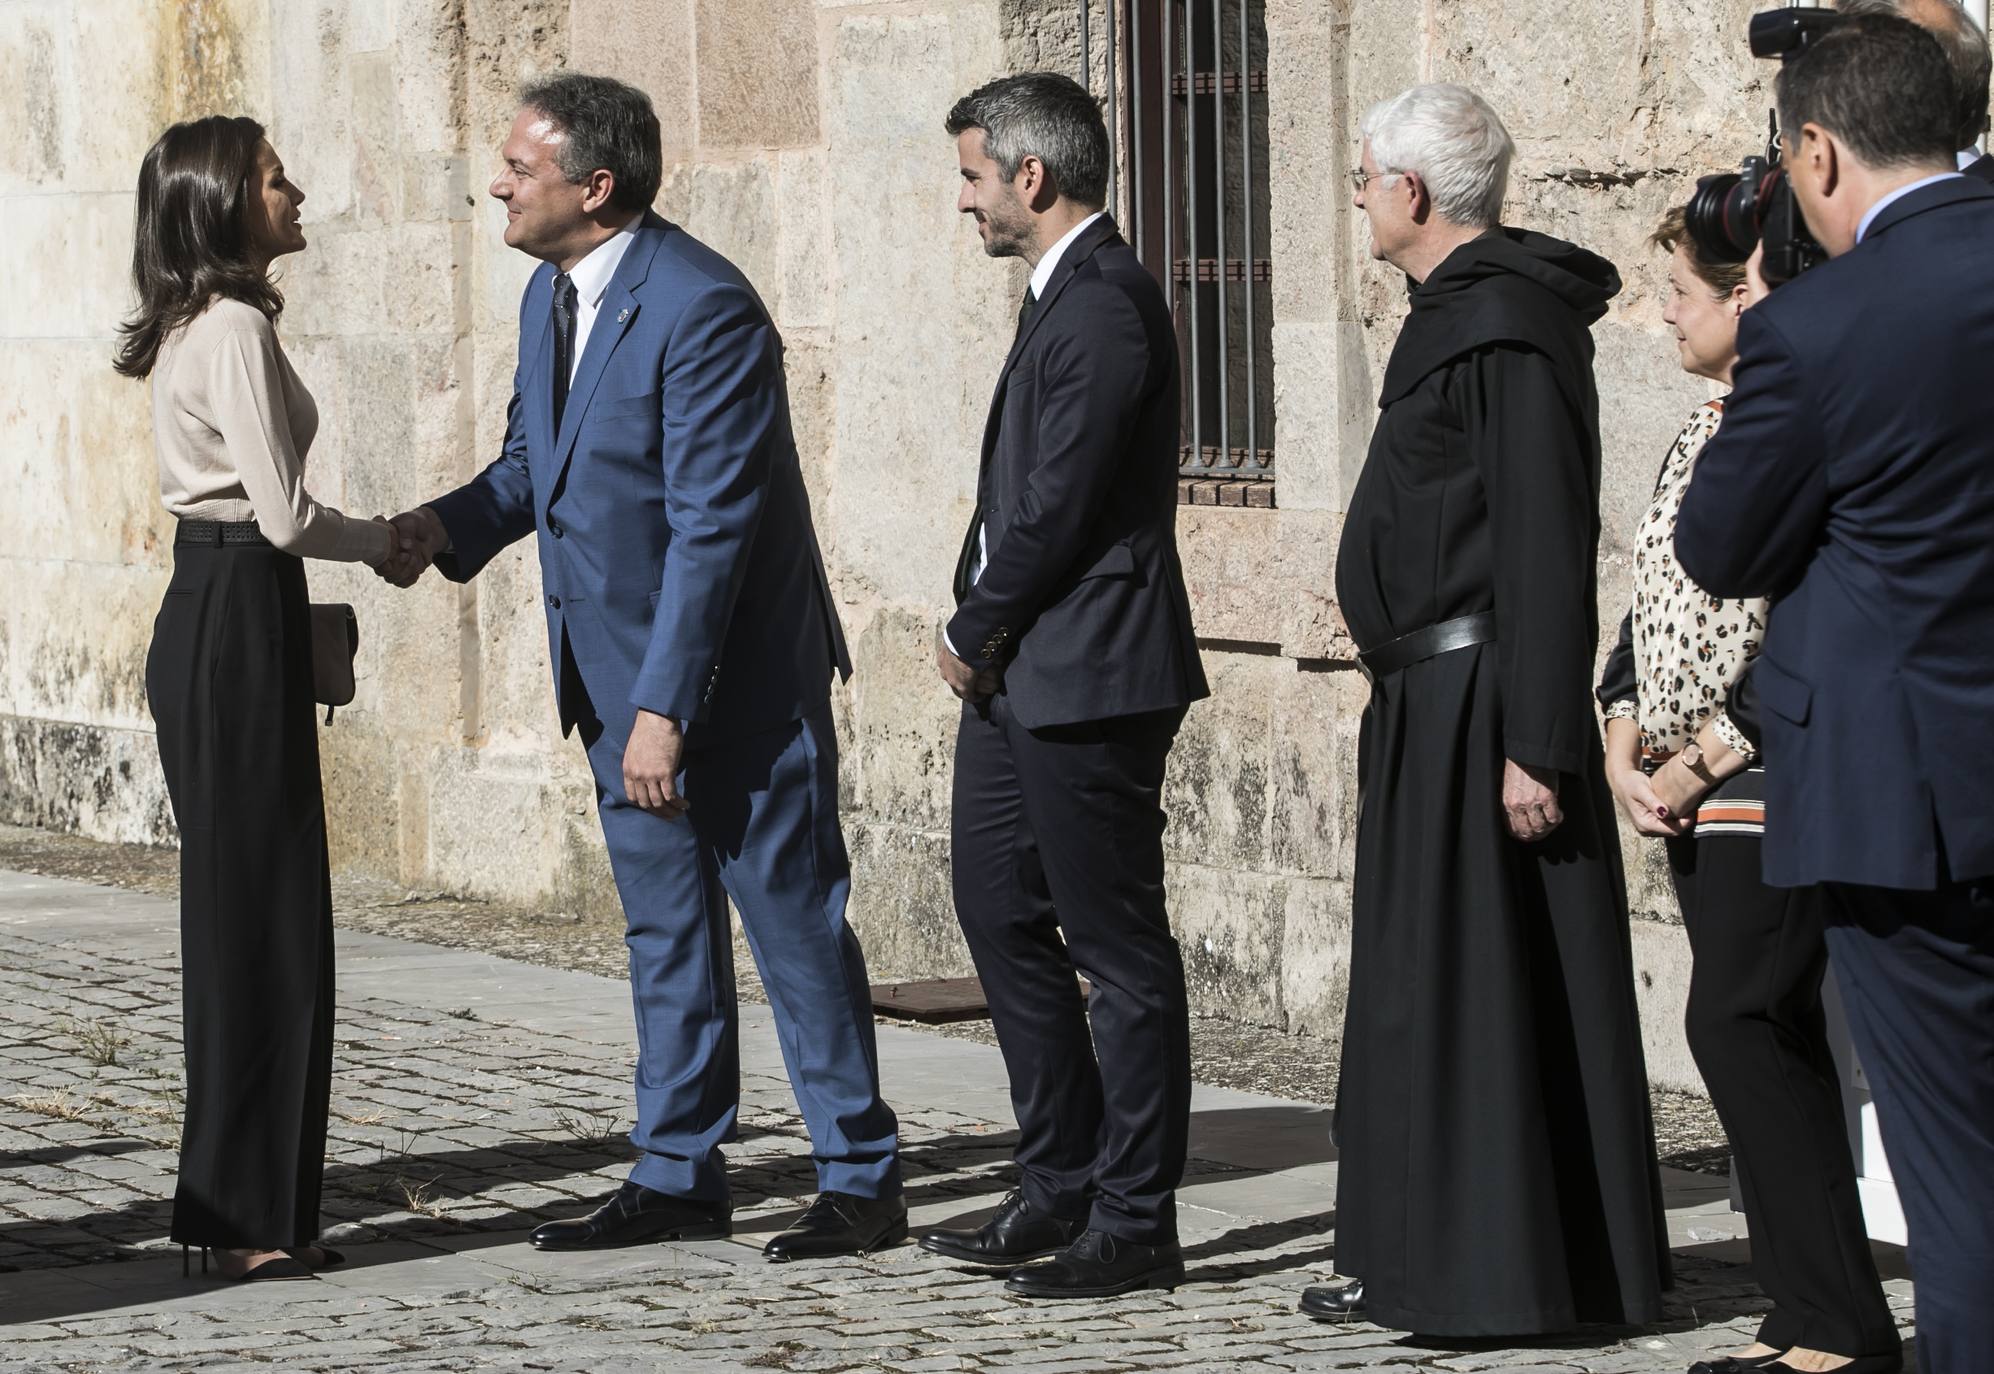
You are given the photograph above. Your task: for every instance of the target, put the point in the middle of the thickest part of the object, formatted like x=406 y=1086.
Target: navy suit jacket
x=677 y=557
x=1853 y=479
x=1083 y=600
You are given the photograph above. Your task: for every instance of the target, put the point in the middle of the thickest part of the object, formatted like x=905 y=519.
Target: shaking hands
x=419 y=537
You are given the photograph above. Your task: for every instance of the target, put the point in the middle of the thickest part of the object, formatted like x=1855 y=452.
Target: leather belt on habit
x=1444 y=638
x=215 y=533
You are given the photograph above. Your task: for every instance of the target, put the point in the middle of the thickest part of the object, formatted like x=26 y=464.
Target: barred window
x=1187 y=100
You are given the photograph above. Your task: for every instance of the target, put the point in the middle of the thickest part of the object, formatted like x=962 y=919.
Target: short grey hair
x=1043 y=115
x=1455 y=142
x=1965 y=46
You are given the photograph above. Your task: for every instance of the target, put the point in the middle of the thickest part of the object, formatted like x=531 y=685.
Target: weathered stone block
x=95 y=780
x=1229 y=924
x=901 y=903
x=734 y=212
x=757 y=73
x=1312 y=793
x=651 y=47
x=803 y=226
x=922 y=319
x=903 y=721
x=1215 y=790
x=1315 y=955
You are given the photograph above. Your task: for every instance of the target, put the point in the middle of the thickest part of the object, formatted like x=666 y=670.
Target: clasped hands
x=419 y=537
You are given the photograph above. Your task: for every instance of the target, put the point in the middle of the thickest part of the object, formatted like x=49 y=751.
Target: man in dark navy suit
x=692 y=634
x=1853 y=479
x=1964 y=43
x=1072 y=650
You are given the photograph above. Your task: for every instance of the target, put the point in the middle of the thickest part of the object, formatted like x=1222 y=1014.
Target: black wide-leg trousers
x=1057 y=862
x=229 y=679
x=1760 y=1039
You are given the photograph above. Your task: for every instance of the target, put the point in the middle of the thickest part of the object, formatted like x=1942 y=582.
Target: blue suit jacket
x=677 y=556
x=1853 y=479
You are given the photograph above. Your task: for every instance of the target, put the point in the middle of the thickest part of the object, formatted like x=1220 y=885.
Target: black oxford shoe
x=1099 y=1265
x=1342 y=1303
x=842 y=1224
x=633 y=1216
x=1019 y=1232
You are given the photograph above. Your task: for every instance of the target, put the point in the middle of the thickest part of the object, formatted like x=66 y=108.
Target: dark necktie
x=1025 y=310
x=564 y=341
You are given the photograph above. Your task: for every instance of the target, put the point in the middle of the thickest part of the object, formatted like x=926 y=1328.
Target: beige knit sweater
x=232 y=423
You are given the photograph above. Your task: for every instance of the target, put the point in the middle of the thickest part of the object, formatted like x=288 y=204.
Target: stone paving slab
x=475 y=1097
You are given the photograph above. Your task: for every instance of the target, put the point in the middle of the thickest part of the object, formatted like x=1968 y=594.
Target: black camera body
x=1732 y=213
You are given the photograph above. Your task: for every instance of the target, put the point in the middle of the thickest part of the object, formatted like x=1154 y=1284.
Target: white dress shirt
x=591 y=277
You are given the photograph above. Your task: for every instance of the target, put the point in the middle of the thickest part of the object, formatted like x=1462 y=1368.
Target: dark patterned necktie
x=564 y=341
x=1025 y=310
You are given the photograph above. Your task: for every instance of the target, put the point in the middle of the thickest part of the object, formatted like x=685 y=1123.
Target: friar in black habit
x=1497 y=1170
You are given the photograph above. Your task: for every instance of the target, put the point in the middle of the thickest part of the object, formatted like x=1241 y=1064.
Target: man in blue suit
x=1853 y=479
x=693 y=636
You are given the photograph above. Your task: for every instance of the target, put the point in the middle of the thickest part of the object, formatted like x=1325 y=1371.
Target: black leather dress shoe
x=1099 y=1265
x=1342 y=1303
x=1019 y=1232
x=633 y=1216
x=842 y=1224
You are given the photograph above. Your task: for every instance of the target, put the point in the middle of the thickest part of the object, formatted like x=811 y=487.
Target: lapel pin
x=624 y=316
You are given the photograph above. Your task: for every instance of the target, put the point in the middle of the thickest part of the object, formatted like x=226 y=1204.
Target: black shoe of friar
x=1018 y=1233
x=842 y=1224
x=1099 y=1265
x=1339 y=1303
x=636 y=1215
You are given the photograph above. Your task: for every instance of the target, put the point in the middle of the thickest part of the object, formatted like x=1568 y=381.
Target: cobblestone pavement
x=475 y=1097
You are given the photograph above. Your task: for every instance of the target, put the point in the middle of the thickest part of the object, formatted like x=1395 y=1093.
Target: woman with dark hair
x=1682 y=759
x=229 y=681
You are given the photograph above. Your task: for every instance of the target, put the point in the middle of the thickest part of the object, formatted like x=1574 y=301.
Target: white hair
x=1453 y=140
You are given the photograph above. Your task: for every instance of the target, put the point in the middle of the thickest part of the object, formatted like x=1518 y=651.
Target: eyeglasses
x=1359 y=178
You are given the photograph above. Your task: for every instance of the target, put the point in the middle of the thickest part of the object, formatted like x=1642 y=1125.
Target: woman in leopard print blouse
x=1682 y=760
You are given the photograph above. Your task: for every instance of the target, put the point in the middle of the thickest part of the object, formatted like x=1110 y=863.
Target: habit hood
x=1510 y=286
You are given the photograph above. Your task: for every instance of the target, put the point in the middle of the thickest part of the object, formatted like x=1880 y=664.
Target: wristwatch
x=1692 y=759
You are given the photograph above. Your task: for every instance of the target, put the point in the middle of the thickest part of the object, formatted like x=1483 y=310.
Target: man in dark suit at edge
x=1852 y=479
x=1965 y=46
x=1073 y=652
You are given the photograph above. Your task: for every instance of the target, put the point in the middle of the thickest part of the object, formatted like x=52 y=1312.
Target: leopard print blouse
x=1688 y=645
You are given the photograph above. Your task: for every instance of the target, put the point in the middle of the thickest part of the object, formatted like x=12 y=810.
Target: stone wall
x=802 y=139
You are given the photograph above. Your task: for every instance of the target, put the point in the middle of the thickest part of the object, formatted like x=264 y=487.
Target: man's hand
x=965 y=681
x=651 y=765
x=1756 y=289
x=1530 y=800
x=419 y=537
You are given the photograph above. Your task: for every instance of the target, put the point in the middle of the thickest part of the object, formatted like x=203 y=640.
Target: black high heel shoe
x=285 y=1268
x=329 y=1258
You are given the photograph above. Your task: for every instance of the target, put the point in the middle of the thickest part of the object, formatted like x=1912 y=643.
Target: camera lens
x=1722 y=217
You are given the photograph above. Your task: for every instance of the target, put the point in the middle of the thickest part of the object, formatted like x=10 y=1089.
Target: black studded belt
x=215 y=533
x=1460 y=633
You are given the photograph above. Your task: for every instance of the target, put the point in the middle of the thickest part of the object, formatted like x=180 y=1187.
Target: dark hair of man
x=606 y=126
x=1673 y=232
x=1967 y=53
x=191 y=243
x=1881 y=86
x=1043 y=115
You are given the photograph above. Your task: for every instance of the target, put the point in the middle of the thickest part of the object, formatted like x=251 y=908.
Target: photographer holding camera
x=1851 y=480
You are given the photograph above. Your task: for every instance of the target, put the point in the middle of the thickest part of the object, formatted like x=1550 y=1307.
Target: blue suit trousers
x=762 y=828
x=1917 y=976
